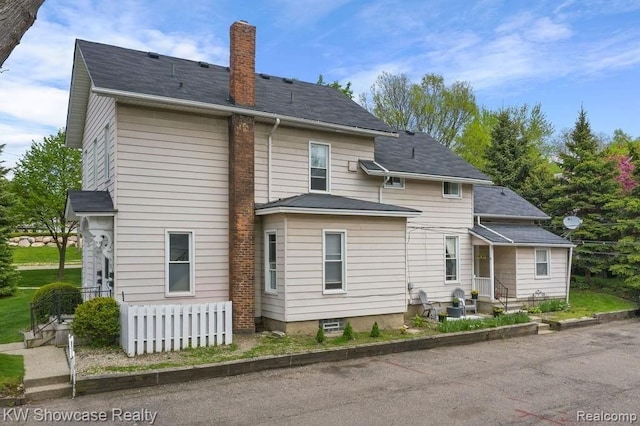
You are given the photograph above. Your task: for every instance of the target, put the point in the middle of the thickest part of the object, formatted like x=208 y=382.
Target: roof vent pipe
x=413 y=152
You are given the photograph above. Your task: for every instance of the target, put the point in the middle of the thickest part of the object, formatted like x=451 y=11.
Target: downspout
x=384 y=180
x=269 y=145
x=569 y=271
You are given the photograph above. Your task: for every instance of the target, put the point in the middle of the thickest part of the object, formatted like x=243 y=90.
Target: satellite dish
x=571 y=222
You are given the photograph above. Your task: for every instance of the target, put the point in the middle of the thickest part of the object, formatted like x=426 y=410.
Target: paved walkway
x=40 y=363
x=47 y=266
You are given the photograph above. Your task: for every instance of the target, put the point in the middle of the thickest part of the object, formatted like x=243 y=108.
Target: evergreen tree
x=508 y=156
x=585 y=190
x=8 y=274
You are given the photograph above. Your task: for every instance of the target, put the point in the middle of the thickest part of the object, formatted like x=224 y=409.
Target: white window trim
x=267 y=275
x=328 y=145
x=94 y=162
x=458 y=195
x=535 y=263
x=388 y=186
x=343 y=232
x=192 y=261
x=107 y=155
x=457 y=280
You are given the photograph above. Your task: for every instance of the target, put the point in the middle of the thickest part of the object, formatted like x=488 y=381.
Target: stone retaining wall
x=42 y=241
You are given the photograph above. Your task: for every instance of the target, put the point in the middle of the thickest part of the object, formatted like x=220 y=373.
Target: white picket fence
x=162 y=328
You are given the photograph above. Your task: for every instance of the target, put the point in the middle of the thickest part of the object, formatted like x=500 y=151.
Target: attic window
x=265 y=76
x=451 y=190
x=153 y=55
x=203 y=64
x=394 y=182
x=288 y=80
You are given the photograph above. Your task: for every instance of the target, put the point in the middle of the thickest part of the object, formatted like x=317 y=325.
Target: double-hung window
x=319 y=167
x=451 y=190
x=452 y=264
x=179 y=262
x=270 y=260
x=334 y=261
x=542 y=263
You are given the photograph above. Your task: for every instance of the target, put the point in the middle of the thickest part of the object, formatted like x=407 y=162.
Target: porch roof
x=88 y=203
x=333 y=204
x=515 y=234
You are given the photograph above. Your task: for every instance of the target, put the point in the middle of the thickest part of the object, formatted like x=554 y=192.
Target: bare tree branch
x=16 y=17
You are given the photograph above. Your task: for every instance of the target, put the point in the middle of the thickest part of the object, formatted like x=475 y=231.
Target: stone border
x=598 y=318
x=111 y=382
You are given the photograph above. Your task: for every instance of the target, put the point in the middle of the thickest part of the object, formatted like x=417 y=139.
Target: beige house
x=204 y=183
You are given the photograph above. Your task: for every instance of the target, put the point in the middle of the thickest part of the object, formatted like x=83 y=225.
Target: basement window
x=335 y=324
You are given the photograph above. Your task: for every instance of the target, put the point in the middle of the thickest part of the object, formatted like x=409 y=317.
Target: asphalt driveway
x=569 y=377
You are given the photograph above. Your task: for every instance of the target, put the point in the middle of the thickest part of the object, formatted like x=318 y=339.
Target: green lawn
x=40 y=277
x=585 y=303
x=43 y=255
x=11 y=374
x=14 y=311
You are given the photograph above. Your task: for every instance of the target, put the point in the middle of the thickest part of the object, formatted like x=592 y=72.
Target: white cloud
x=544 y=30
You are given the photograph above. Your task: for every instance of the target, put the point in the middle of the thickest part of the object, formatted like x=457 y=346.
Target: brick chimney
x=241 y=178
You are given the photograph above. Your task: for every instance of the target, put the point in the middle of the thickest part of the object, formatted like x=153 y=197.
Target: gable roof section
x=89 y=203
x=333 y=204
x=502 y=202
x=419 y=156
x=135 y=75
x=523 y=235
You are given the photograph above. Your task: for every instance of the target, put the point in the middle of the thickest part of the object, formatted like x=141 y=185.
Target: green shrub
x=348 y=332
x=477 y=324
x=375 y=330
x=57 y=298
x=320 y=337
x=99 y=321
x=534 y=310
x=417 y=321
x=553 y=305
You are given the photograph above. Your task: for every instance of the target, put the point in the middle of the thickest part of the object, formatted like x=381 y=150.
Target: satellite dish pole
x=571 y=223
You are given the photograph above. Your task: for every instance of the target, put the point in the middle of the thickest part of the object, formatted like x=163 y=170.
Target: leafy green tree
x=476 y=138
x=508 y=160
x=346 y=90
x=8 y=274
x=586 y=189
x=41 y=178
x=627 y=261
x=431 y=106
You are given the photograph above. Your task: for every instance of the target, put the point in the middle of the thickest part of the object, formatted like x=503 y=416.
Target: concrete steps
x=544 y=328
x=52 y=391
x=46 y=336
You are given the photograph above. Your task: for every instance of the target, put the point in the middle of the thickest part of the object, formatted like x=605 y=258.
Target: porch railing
x=483 y=285
x=502 y=294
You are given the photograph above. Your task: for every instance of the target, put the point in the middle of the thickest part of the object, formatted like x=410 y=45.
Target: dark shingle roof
x=418 y=153
x=334 y=202
x=518 y=234
x=499 y=201
x=90 y=201
x=133 y=71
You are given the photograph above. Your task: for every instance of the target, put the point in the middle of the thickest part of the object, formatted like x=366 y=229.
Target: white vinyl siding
x=505 y=269
x=319 y=167
x=179 y=255
x=452 y=261
x=172 y=172
x=375 y=274
x=542 y=263
x=451 y=190
x=270 y=261
x=554 y=286
x=425 y=235
x=335 y=261
x=290 y=163
x=272 y=304
x=98 y=145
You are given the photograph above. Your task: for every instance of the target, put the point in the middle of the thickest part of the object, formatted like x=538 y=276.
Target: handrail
x=498 y=294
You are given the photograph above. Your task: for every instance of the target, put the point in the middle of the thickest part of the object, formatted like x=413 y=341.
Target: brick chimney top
x=242 y=63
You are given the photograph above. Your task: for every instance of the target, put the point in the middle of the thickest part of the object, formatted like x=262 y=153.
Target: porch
x=494 y=277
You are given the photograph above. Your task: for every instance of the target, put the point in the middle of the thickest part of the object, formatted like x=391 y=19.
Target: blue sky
x=562 y=54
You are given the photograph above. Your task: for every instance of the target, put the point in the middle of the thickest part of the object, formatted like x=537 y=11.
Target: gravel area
x=91 y=361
